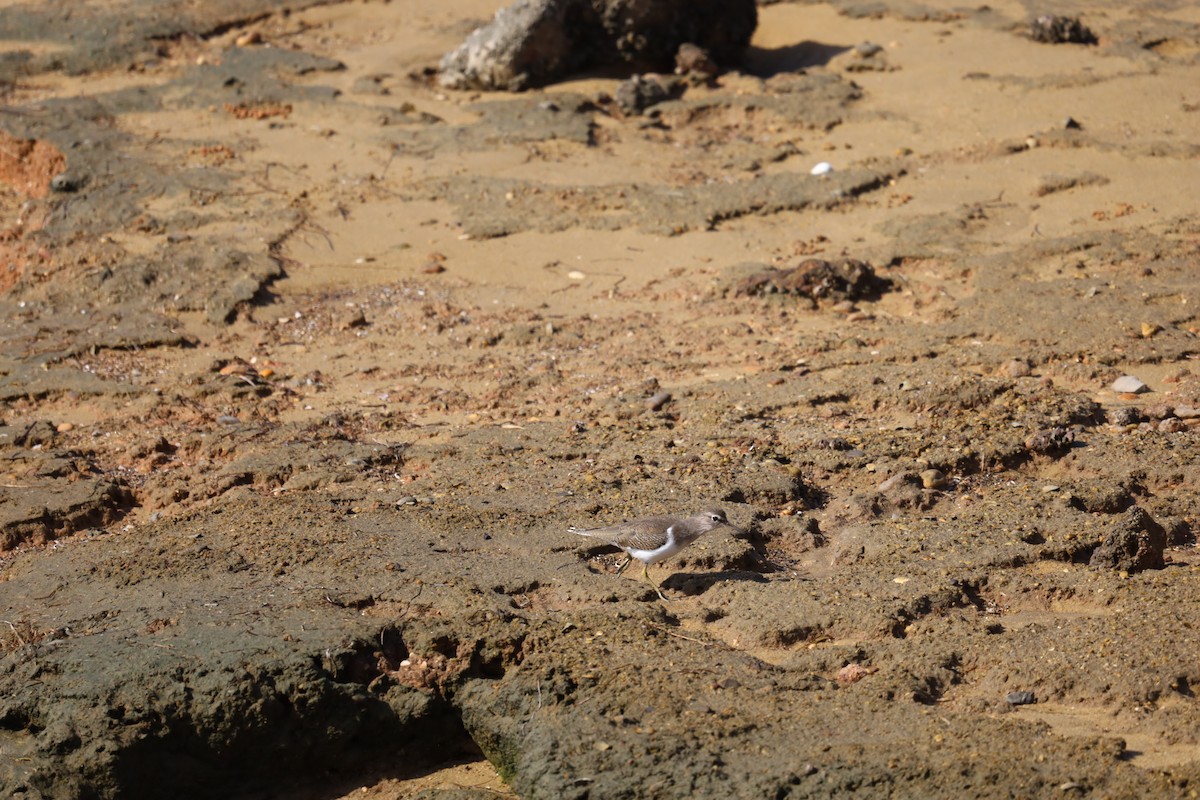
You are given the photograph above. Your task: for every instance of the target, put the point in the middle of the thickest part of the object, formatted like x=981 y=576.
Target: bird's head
x=712 y=518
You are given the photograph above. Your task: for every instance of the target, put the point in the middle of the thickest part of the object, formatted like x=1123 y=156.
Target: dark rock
x=534 y=42
x=1020 y=698
x=844 y=279
x=1133 y=543
x=1125 y=415
x=1051 y=441
x=639 y=93
x=1055 y=29
x=695 y=63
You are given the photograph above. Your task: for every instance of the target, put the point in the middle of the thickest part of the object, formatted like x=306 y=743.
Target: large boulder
x=535 y=42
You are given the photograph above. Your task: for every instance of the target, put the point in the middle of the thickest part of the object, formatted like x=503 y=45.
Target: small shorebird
x=654 y=539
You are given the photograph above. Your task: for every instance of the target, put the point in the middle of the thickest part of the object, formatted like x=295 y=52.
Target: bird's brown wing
x=647 y=534
x=641 y=534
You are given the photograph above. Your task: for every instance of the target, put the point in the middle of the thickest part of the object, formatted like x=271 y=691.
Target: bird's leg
x=657 y=588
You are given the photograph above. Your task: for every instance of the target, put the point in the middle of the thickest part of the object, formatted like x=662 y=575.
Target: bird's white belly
x=654 y=556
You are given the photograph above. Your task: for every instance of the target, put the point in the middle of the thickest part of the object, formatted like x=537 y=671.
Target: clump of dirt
x=819 y=280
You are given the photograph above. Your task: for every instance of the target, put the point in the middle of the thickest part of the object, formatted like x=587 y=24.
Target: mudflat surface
x=307 y=365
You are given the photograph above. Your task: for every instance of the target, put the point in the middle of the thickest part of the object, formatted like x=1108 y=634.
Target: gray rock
x=535 y=42
x=1128 y=384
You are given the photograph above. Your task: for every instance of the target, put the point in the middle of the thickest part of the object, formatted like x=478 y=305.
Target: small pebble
x=1183 y=412
x=853 y=673
x=1128 y=384
x=1017 y=368
x=1020 y=698
x=823 y=168
x=1149 y=329
x=933 y=479
x=1172 y=426
x=63 y=427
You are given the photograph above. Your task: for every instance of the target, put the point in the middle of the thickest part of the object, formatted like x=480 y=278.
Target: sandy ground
x=307 y=365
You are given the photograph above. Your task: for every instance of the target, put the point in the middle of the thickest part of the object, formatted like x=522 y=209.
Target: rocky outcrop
x=535 y=42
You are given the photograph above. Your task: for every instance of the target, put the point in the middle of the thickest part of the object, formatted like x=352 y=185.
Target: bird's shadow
x=764 y=62
x=696 y=583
